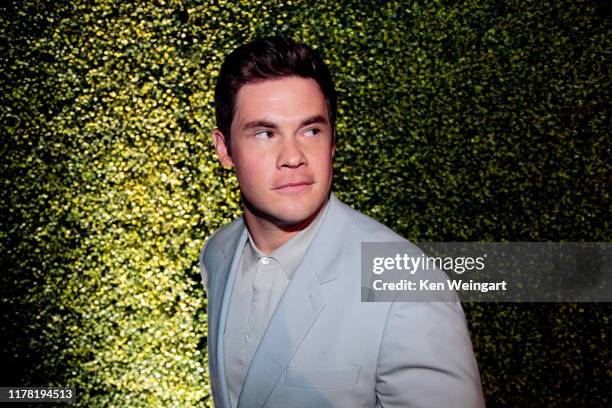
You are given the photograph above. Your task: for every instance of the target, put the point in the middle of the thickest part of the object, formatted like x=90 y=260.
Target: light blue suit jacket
x=324 y=347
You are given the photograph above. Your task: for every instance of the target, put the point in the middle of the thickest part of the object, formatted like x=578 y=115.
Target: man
x=287 y=327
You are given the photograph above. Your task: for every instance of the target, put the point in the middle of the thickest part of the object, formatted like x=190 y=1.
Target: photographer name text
x=427 y=285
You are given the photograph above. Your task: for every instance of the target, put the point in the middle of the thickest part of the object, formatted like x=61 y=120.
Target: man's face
x=282 y=147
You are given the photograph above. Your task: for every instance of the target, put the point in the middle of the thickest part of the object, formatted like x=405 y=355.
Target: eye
x=263 y=134
x=312 y=132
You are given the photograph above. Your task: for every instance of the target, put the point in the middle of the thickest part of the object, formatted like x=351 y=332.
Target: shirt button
x=250 y=334
x=265 y=260
x=255 y=297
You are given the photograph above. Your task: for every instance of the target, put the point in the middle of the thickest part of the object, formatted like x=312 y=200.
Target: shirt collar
x=290 y=254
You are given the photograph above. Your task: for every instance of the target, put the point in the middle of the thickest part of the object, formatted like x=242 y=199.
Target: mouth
x=293 y=187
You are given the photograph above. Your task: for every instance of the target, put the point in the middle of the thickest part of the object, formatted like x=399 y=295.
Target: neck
x=270 y=234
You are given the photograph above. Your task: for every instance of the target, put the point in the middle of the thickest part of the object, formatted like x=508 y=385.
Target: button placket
x=260 y=286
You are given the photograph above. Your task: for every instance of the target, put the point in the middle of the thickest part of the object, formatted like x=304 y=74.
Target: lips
x=293 y=186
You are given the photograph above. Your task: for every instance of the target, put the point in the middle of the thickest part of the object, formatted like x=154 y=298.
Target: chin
x=285 y=211
x=296 y=214
x=293 y=218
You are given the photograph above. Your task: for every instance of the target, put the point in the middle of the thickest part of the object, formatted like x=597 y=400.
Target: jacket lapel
x=296 y=312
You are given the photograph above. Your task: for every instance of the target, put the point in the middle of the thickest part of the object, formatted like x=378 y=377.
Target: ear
x=221 y=148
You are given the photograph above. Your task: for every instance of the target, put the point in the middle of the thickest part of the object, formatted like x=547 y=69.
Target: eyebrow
x=271 y=125
x=314 y=119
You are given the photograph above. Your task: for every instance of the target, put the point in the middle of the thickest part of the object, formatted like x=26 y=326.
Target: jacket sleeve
x=203 y=273
x=426 y=358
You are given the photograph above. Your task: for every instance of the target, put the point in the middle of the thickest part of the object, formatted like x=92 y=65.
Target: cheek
x=324 y=161
x=251 y=170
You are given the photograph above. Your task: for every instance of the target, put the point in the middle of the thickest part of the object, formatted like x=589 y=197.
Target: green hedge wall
x=459 y=121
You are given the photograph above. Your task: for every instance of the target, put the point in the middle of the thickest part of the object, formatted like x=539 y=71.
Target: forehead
x=283 y=99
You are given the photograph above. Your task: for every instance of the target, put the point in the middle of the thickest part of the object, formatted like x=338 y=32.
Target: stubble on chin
x=285 y=223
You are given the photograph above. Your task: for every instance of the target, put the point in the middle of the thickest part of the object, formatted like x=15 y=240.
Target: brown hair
x=269 y=58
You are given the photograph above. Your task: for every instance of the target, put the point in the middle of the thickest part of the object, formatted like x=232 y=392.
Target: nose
x=291 y=154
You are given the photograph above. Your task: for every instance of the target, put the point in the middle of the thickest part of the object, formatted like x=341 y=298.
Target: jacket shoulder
x=224 y=233
x=213 y=252
x=367 y=228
